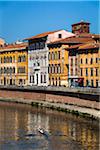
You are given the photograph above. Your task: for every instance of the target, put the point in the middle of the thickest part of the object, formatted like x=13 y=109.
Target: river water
x=19 y=125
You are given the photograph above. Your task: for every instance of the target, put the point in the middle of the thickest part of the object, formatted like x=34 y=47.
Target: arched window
x=7 y=59
x=13 y=58
x=4 y=59
x=91 y=62
x=7 y=70
x=10 y=59
x=1 y=70
x=24 y=58
x=10 y=70
x=86 y=61
x=59 y=69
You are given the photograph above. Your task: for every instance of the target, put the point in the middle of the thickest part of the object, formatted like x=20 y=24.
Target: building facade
x=58 y=64
x=89 y=58
x=63 y=61
x=14 y=64
x=84 y=65
x=38 y=56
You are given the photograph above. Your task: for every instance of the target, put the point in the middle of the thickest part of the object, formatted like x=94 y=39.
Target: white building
x=38 y=56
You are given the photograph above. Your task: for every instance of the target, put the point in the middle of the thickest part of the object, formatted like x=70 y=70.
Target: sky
x=23 y=19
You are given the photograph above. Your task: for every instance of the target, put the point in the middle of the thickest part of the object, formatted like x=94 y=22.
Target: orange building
x=58 y=64
x=14 y=64
x=84 y=64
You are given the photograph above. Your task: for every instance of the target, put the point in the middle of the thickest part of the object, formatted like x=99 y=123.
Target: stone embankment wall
x=70 y=97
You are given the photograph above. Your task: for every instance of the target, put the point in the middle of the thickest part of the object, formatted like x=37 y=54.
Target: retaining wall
x=71 y=98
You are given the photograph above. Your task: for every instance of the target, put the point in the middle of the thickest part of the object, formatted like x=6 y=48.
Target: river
x=19 y=125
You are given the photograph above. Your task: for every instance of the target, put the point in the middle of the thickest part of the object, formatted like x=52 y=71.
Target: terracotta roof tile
x=13 y=46
x=89 y=46
x=88 y=35
x=74 y=40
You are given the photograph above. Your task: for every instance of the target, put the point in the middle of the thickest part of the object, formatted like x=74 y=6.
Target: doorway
x=10 y=81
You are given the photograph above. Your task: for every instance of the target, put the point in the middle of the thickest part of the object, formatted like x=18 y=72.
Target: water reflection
x=19 y=124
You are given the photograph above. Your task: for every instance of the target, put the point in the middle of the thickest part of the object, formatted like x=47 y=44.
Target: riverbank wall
x=82 y=100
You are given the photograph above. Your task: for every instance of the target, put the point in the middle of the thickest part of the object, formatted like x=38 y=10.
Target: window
x=75 y=61
x=91 y=61
x=96 y=60
x=23 y=58
x=14 y=81
x=44 y=78
x=10 y=59
x=52 y=68
x=49 y=56
x=96 y=72
x=13 y=69
x=87 y=82
x=58 y=54
x=55 y=68
x=10 y=70
x=86 y=61
x=92 y=83
x=91 y=71
x=81 y=72
x=86 y=71
x=59 y=69
x=81 y=61
x=19 y=59
x=52 y=56
x=71 y=71
x=13 y=58
x=30 y=79
x=4 y=59
x=59 y=35
x=49 y=69
x=33 y=79
x=96 y=83
x=37 y=45
x=21 y=70
x=76 y=71
x=41 y=79
x=71 y=61
x=59 y=81
x=1 y=60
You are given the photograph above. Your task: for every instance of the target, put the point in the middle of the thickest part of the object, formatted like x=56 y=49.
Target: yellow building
x=58 y=64
x=14 y=64
x=89 y=58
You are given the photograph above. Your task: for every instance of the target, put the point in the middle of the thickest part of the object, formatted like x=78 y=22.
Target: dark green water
x=19 y=124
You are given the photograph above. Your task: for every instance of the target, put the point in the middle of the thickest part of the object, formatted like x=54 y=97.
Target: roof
x=84 y=46
x=88 y=35
x=89 y=46
x=10 y=47
x=73 y=40
x=42 y=35
x=81 y=22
